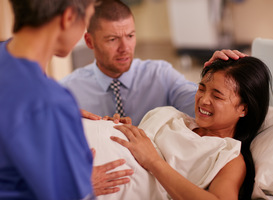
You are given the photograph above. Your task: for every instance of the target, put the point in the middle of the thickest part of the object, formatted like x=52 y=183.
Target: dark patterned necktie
x=115 y=85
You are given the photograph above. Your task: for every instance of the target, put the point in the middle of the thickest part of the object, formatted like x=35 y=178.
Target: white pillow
x=262 y=152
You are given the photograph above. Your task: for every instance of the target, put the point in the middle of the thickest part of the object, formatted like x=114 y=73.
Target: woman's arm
x=229 y=179
x=225 y=185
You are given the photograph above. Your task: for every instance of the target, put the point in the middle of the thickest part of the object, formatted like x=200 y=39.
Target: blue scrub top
x=43 y=151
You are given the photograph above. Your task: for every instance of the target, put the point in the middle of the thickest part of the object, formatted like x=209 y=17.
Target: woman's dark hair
x=110 y=10
x=35 y=13
x=253 y=85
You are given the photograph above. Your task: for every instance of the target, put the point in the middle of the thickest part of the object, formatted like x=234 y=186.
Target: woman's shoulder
x=236 y=168
x=166 y=113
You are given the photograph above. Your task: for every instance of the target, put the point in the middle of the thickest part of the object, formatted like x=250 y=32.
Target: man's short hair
x=110 y=10
x=35 y=13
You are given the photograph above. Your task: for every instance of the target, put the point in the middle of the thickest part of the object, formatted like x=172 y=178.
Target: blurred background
x=182 y=32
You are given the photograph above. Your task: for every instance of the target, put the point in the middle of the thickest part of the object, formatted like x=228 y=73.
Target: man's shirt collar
x=104 y=81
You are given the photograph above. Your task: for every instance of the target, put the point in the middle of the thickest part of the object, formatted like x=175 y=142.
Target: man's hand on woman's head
x=117 y=119
x=225 y=54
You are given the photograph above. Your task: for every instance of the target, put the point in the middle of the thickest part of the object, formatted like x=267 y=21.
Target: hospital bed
x=262 y=146
x=262 y=48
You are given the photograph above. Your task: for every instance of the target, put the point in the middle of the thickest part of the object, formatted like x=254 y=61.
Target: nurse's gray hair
x=35 y=13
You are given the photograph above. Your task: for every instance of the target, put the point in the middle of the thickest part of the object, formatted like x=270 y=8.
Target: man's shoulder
x=80 y=73
x=138 y=61
x=86 y=70
x=151 y=64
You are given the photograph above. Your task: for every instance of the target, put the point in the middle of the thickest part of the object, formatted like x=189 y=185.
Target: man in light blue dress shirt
x=145 y=85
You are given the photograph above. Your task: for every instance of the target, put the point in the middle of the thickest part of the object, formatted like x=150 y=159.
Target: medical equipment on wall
x=197 y=28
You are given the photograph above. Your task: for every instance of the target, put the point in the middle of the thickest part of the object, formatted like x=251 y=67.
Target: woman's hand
x=117 y=119
x=89 y=115
x=105 y=182
x=139 y=145
x=225 y=54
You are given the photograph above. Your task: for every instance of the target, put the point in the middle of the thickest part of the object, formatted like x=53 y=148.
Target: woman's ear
x=243 y=110
x=89 y=40
x=68 y=17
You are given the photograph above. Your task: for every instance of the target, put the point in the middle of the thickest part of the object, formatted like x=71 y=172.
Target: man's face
x=114 y=44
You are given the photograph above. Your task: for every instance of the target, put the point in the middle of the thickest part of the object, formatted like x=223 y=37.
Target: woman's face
x=74 y=32
x=217 y=106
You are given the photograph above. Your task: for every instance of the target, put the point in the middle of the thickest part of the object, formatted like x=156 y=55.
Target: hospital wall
x=251 y=18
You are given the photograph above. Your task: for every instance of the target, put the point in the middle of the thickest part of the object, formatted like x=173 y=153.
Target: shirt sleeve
x=51 y=154
x=181 y=92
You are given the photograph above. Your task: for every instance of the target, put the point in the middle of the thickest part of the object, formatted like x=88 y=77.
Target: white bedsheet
x=197 y=158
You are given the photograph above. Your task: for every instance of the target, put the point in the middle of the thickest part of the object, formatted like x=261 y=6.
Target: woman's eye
x=216 y=97
x=201 y=89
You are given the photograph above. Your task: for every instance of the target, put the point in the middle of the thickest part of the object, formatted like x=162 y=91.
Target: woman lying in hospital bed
x=183 y=158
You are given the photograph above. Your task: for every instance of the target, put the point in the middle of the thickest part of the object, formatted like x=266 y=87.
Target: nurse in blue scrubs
x=43 y=151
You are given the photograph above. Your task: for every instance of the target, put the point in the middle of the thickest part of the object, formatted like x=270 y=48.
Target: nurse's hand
x=117 y=119
x=225 y=54
x=105 y=182
x=89 y=115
